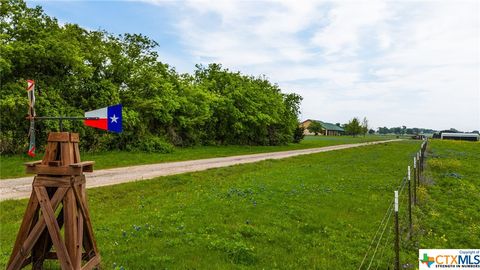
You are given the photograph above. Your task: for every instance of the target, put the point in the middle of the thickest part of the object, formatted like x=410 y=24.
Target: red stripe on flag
x=31 y=152
x=100 y=123
x=30 y=84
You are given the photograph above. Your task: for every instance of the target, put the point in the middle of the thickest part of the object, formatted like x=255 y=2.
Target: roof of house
x=456 y=134
x=328 y=126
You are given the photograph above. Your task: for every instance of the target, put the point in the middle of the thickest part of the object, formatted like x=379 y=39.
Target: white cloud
x=398 y=63
x=346 y=22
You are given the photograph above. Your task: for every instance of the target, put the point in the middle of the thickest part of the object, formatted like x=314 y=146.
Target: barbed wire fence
x=383 y=251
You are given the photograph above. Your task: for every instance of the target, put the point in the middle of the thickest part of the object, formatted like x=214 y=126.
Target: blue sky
x=414 y=63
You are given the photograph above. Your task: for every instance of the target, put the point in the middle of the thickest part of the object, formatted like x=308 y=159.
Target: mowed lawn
x=12 y=166
x=316 y=211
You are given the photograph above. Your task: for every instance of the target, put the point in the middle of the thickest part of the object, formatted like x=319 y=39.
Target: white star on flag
x=107 y=118
x=114 y=119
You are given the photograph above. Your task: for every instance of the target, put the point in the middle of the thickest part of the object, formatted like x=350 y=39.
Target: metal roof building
x=329 y=129
x=459 y=136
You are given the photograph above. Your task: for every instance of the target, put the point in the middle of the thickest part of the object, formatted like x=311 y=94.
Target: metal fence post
x=410 y=202
x=418 y=169
x=397 y=237
x=415 y=170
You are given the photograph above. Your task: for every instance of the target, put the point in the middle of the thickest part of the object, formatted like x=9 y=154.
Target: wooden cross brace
x=38 y=232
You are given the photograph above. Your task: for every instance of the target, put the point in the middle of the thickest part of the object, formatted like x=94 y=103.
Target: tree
x=246 y=109
x=78 y=70
x=396 y=130
x=399 y=130
x=364 y=129
x=299 y=134
x=315 y=127
x=371 y=132
x=383 y=130
x=353 y=127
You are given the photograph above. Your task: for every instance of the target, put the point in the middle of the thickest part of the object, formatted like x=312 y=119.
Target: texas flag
x=109 y=118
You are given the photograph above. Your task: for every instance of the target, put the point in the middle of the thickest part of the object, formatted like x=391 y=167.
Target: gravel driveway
x=19 y=188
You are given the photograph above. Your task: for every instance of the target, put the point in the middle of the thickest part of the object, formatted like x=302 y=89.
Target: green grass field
x=12 y=166
x=448 y=215
x=316 y=211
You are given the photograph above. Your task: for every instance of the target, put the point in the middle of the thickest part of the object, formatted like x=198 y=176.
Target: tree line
x=404 y=130
x=78 y=70
x=356 y=127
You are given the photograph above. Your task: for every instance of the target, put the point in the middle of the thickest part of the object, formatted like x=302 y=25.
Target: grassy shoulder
x=449 y=210
x=316 y=211
x=12 y=166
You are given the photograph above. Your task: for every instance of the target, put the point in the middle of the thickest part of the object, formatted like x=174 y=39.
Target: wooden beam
x=82 y=164
x=92 y=263
x=58 y=137
x=48 y=170
x=52 y=181
x=26 y=262
x=76 y=151
x=33 y=163
x=86 y=166
x=79 y=247
x=50 y=152
x=44 y=244
x=35 y=233
x=67 y=153
x=22 y=235
x=86 y=216
x=55 y=163
x=53 y=228
x=70 y=223
x=74 y=137
x=88 y=244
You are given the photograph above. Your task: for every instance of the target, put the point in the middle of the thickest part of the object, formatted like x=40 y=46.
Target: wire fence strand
x=382 y=246
x=376 y=233
x=381 y=236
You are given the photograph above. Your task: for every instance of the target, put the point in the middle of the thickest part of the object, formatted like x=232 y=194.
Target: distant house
x=329 y=129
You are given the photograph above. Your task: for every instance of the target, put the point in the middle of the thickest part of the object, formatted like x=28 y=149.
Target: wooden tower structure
x=58 y=200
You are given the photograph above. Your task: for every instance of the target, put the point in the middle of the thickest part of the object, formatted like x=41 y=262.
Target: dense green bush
x=298 y=134
x=151 y=144
x=78 y=70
